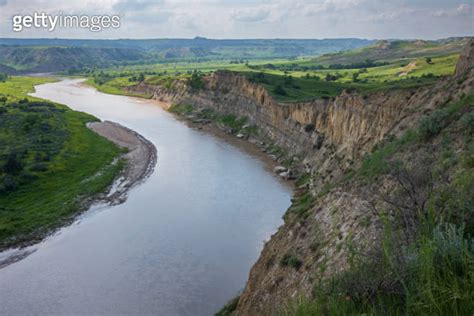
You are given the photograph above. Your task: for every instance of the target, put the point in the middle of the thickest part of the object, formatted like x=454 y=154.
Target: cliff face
x=330 y=137
x=466 y=60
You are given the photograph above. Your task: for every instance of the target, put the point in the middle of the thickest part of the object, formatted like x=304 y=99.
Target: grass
x=291 y=86
x=230 y=308
x=116 y=86
x=431 y=125
x=16 y=88
x=289 y=260
x=433 y=273
x=234 y=124
x=388 y=65
x=79 y=166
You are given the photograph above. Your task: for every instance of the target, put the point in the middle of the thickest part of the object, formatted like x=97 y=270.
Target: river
x=182 y=244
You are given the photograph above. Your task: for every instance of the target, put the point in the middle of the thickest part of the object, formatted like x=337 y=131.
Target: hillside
x=52 y=55
x=390 y=50
x=304 y=79
x=382 y=213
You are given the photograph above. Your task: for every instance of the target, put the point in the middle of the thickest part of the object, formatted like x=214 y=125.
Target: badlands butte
x=372 y=169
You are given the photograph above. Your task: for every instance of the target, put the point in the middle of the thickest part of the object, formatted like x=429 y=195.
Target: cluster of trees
x=298 y=67
x=137 y=78
x=3 y=76
x=241 y=61
x=196 y=81
x=102 y=78
x=331 y=77
x=364 y=64
x=287 y=67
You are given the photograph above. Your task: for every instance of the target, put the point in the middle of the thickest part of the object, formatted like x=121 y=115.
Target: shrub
x=279 y=90
x=291 y=261
x=309 y=128
x=434 y=275
x=467 y=122
x=39 y=167
x=13 y=164
x=196 y=81
x=9 y=183
x=230 y=308
x=432 y=125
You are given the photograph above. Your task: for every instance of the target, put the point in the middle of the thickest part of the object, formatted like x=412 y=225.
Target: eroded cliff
x=328 y=139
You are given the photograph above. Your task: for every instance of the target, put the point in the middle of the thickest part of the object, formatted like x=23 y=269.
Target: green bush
x=467 y=122
x=291 y=261
x=230 y=308
x=8 y=183
x=432 y=125
x=279 y=90
x=196 y=81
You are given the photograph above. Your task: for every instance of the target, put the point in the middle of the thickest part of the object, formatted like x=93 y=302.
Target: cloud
x=258 y=18
x=137 y=5
x=250 y=15
x=464 y=8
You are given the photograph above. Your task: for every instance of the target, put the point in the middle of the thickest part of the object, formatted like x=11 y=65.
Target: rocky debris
x=279 y=169
x=287 y=175
x=201 y=121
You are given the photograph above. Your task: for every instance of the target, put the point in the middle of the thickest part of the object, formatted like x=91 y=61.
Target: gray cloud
x=131 y=5
x=250 y=15
x=262 y=19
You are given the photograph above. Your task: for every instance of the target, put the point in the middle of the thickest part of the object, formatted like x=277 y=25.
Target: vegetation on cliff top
x=49 y=162
x=402 y=66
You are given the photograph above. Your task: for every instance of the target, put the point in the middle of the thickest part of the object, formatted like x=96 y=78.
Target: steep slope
x=343 y=201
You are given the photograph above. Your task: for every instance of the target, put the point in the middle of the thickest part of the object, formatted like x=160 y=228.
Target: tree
x=279 y=90
x=355 y=77
x=429 y=60
x=330 y=77
x=3 y=76
x=195 y=81
x=141 y=77
x=13 y=165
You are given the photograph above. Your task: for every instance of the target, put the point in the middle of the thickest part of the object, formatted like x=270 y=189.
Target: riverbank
x=141 y=157
x=59 y=167
x=232 y=129
x=133 y=166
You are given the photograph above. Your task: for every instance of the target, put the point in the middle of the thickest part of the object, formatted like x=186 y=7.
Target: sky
x=372 y=19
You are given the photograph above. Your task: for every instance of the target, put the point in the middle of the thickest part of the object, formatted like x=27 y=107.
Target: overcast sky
x=374 y=19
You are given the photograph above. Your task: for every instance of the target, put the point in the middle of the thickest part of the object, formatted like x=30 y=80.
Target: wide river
x=182 y=244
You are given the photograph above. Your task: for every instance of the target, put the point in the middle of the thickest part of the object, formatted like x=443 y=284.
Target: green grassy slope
x=394 y=50
x=306 y=79
x=49 y=162
x=51 y=55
